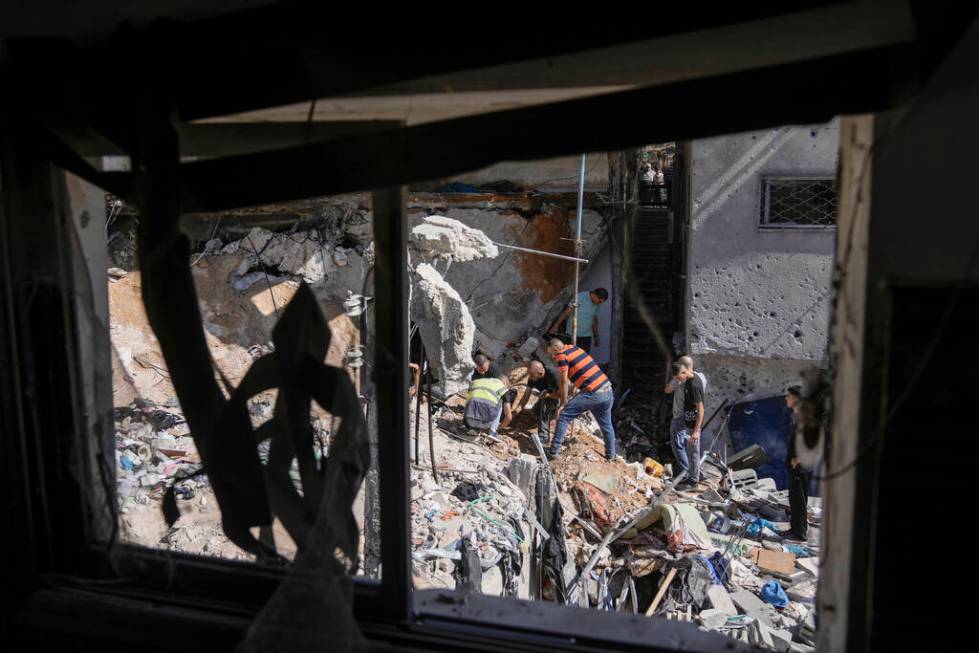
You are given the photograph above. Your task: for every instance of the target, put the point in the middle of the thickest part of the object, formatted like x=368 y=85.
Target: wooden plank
x=662 y=592
x=778 y=562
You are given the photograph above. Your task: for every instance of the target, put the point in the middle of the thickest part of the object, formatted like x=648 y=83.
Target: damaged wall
x=512 y=295
x=758 y=300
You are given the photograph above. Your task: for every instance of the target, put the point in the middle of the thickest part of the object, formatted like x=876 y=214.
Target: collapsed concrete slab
x=439 y=237
x=445 y=326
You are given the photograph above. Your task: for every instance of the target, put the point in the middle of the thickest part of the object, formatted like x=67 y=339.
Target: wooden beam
x=809 y=92
x=665 y=585
x=797 y=36
x=390 y=379
x=227 y=138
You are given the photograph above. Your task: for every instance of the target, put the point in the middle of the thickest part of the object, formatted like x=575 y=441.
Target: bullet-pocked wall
x=758 y=294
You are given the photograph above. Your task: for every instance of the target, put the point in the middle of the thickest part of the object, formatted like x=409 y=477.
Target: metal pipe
x=577 y=252
x=418 y=399
x=537 y=251
x=431 y=437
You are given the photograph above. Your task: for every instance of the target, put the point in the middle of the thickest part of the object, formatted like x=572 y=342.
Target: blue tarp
x=764 y=422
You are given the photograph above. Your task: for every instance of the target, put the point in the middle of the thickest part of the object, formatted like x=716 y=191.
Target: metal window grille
x=798 y=202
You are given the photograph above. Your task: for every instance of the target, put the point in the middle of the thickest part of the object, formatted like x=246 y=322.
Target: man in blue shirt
x=588 y=305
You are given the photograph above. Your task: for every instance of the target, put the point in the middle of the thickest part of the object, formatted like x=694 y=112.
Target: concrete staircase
x=644 y=363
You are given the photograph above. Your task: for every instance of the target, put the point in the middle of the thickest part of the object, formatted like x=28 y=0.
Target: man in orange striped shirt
x=594 y=394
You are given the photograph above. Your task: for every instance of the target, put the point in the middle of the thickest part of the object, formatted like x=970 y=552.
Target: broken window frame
x=764 y=201
x=215 y=599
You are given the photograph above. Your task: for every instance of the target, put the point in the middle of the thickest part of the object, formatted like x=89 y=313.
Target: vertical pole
x=577 y=252
x=418 y=401
x=431 y=437
x=391 y=383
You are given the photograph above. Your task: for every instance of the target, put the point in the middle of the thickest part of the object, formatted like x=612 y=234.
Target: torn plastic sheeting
x=468 y=570
x=428 y=554
x=554 y=556
x=773 y=593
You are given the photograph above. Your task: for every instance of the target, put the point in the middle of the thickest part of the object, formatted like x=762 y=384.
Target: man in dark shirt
x=798 y=476
x=545 y=383
x=485 y=368
x=693 y=419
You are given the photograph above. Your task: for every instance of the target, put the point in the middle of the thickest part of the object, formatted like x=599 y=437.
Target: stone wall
x=758 y=300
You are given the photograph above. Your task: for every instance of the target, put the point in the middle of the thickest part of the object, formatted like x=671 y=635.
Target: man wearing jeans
x=690 y=388
x=595 y=395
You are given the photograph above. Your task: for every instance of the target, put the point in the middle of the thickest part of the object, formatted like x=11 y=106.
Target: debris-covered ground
x=711 y=556
x=493 y=516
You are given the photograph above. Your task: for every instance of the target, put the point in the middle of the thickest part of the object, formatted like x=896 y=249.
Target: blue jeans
x=598 y=404
x=685 y=449
x=496 y=421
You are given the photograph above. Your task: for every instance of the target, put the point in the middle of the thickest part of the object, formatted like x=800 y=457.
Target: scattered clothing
x=773 y=593
x=468 y=572
x=466 y=491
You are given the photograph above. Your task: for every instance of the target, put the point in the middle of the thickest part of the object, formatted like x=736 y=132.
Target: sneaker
x=685 y=485
x=550 y=454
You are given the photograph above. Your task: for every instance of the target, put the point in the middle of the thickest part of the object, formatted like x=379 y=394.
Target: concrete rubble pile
x=153 y=449
x=712 y=556
x=444 y=321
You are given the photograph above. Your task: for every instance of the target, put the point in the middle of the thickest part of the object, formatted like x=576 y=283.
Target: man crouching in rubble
x=545 y=408
x=594 y=394
x=486 y=405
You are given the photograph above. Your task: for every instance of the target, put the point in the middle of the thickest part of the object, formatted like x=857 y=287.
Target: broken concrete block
x=528 y=348
x=493 y=581
x=440 y=237
x=809 y=565
x=712 y=619
x=781 y=639
x=446 y=328
x=521 y=472
x=754 y=607
x=720 y=600
x=760 y=634
x=608 y=482
x=804 y=592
